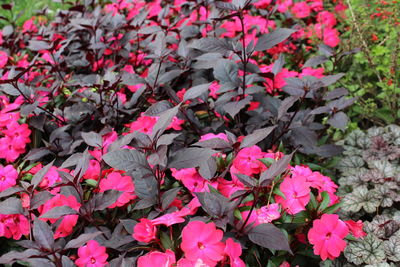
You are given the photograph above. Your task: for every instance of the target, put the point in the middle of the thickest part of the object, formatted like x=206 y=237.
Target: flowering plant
x=156 y=135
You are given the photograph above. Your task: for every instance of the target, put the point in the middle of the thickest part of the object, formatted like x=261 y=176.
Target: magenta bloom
x=13 y=225
x=301 y=10
x=92 y=255
x=297 y=194
x=8 y=177
x=356 y=228
x=120 y=183
x=234 y=250
x=202 y=241
x=264 y=214
x=157 y=258
x=327 y=236
x=3 y=59
x=68 y=221
x=144 y=231
x=247 y=160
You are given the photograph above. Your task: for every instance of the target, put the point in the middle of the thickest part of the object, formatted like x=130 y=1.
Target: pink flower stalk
x=92 y=255
x=327 y=236
x=356 y=228
x=297 y=194
x=68 y=221
x=116 y=181
x=202 y=241
x=13 y=226
x=8 y=177
x=234 y=250
x=144 y=231
x=157 y=258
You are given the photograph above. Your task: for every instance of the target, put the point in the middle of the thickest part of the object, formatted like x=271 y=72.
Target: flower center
x=328 y=235
x=92 y=260
x=2 y=178
x=201 y=246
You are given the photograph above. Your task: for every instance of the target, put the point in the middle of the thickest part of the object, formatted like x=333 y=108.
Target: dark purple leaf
x=11 y=205
x=36 y=45
x=42 y=234
x=269 y=40
x=196 y=91
x=269 y=236
x=81 y=240
x=190 y=157
x=58 y=212
x=276 y=168
x=169 y=196
x=336 y=93
x=105 y=199
x=256 y=136
x=339 y=120
x=38 y=177
x=164 y=121
x=315 y=61
x=92 y=139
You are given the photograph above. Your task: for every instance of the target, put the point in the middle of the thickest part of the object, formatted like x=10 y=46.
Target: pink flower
x=212 y=136
x=50 y=178
x=8 y=177
x=234 y=250
x=14 y=226
x=157 y=258
x=144 y=231
x=202 y=241
x=169 y=219
x=68 y=221
x=283 y=5
x=92 y=255
x=327 y=236
x=214 y=87
x=318 y=73
x=297 y=194
x=356 y=228
x=117 y=182
x=143 y=124
x=191 y=179
x=29 y=26
x=8 y=150
x=93 y=172
x=247 y=160
x=279 y=80
x=264 y=214
x=301 y=10
x=3 y=59
x=327 y=18
x=262 y=3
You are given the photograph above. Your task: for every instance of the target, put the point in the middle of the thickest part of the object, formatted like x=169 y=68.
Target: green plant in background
x=16 y=12
x=370 y=186
x=372 y=74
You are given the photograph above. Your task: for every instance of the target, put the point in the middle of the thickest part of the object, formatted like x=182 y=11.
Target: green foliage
x=22 y=10
x=370 y=187
x=372 y=74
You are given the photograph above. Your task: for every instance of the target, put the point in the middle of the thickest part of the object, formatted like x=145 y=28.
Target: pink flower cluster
x=202 y=246
x=14 y=136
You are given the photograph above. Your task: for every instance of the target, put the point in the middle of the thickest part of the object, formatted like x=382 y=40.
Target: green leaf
x=325 y=201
